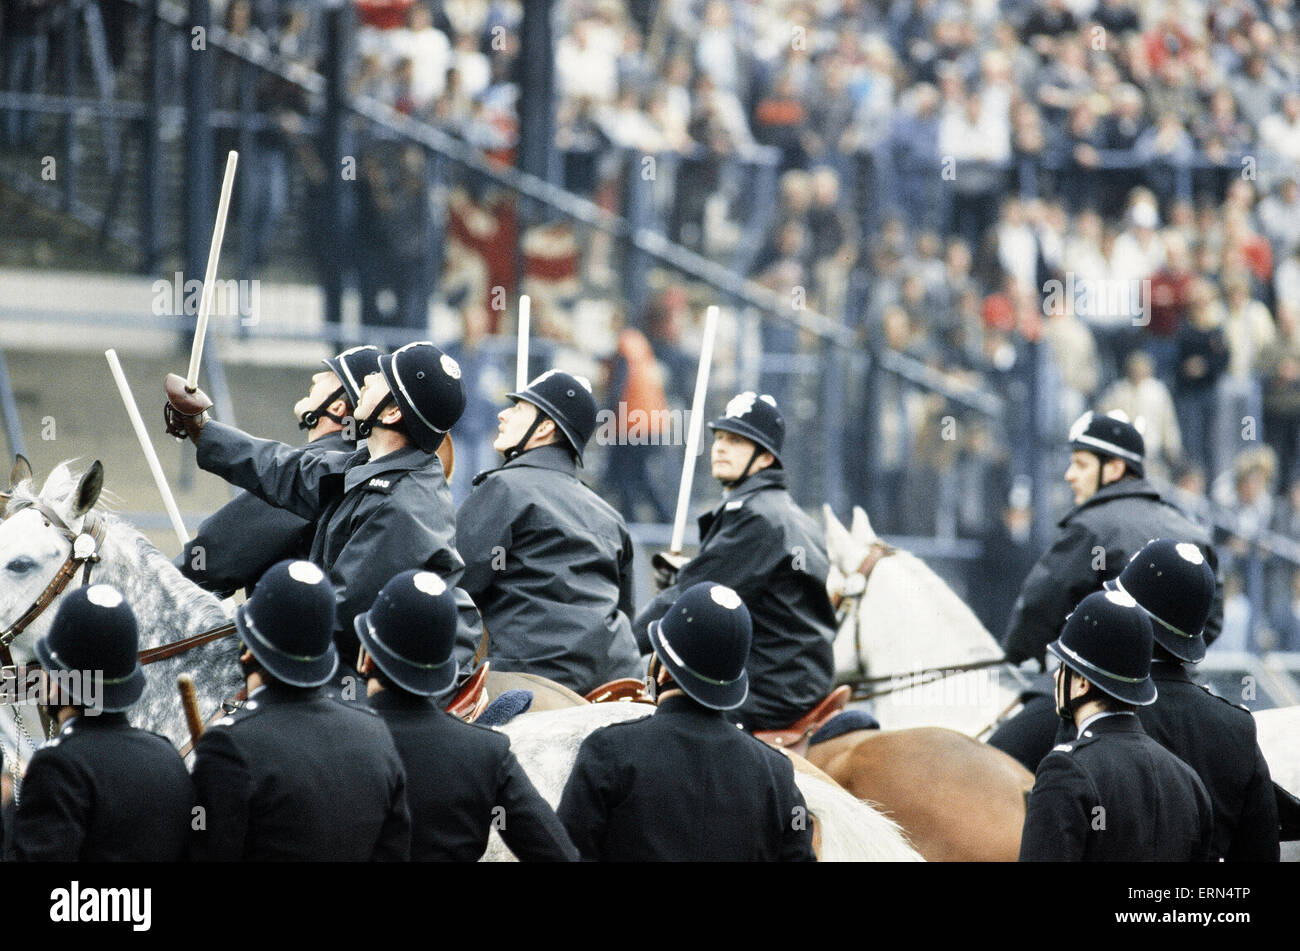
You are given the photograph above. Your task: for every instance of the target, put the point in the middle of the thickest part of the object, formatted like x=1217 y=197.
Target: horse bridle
x=86 y=545
x=844 y=597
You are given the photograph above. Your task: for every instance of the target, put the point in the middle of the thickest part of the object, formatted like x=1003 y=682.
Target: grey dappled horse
x=167 y=605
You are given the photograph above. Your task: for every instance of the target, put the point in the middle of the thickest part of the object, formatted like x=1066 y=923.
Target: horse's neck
x=904 y=591
x=167 y=604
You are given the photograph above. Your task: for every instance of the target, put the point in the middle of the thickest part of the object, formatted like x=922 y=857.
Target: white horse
x=906 y=622
x=167 y=606
x=546 y=745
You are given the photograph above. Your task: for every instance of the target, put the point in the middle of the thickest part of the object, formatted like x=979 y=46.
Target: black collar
x=681 y=703
x=278 y=692
x=1124 y=488
x=362 y=468
x=1170 y=672
x=1118 y=723
x=394 y=698
x=551 y=456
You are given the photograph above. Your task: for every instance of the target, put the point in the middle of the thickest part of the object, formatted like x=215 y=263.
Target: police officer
x=1116 y=511
x=378 y=511
x=296 y=774
x=1114 y=794
x=685 y=784
x=1172 y=582
x=763 y=545
x=102 y=790
x=460 y=778
x=246 y=536
x=547 y=561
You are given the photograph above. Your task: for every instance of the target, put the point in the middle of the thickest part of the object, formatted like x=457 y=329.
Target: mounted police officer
x=1114 y=794
x=296 y=774
x=1172 y=582
x=461 y=779
x=100 y=791
x=243 y=538
x=547 y=561
x=763 y=545
x=685 y=784
x=1116 y=511
x=377 y=511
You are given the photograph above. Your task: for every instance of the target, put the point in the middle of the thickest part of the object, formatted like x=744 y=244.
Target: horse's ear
x=88 y=490
x=839 y=545
x=862 y=530
x=21 y=471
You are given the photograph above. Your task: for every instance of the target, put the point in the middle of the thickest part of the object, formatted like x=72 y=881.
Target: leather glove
x=666 y=567
x=185 y=413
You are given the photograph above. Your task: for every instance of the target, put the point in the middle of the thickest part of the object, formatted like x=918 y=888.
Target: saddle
x=471 y=699
x=795 y=737
x=625 y=689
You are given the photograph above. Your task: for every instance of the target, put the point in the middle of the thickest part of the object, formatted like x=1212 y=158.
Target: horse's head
x=36 y=539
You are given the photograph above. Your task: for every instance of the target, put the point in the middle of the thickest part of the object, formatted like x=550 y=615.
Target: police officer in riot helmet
x=549 y=562
x=380 y=510
x=1172 y=582
x=1116 y=511
x=643 y=790
x=460 y=778
x=1114 y=794
x=759 y=542
x=296 y=774
x=101 y=790
x=247 y=535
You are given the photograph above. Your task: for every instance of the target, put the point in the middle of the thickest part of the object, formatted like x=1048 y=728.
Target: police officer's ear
x=365 y=663
x=340 y=408
x=1112 y=470
x=546 y=430
x=764 y=460
x=392 y=415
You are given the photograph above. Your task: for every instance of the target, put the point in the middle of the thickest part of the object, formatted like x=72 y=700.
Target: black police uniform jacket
x=461 y=780
x=103 y=791
x=1116 y=795
x=1097 y=539
x=298 y=775
x=771 y=552
x=684 y=784
x=549 y=564
x=1217 y=739
x=237 y=543
x=374 y=518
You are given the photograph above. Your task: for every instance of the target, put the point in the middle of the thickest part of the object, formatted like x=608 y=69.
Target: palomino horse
x=957 y=799
x=34 y=546
x=546 y=744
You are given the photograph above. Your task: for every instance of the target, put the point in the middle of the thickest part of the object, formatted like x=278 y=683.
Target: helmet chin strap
x=744 y=474
x=311 y=419
x=368 y=425
x=518 y=448
x=1067 y=706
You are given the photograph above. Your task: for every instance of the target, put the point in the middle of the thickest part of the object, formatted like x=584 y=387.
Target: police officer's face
x=373 y=391
x=322 y=385
x=512 y=423
x=731 y=454
x=1082 y=476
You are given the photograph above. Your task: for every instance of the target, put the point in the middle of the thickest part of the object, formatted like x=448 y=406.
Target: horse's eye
x=20 y=565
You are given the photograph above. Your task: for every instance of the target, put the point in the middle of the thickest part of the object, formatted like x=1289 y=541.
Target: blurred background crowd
x=1112 y=183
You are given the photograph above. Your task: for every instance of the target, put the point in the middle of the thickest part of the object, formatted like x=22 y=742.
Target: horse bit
x=84 y=553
